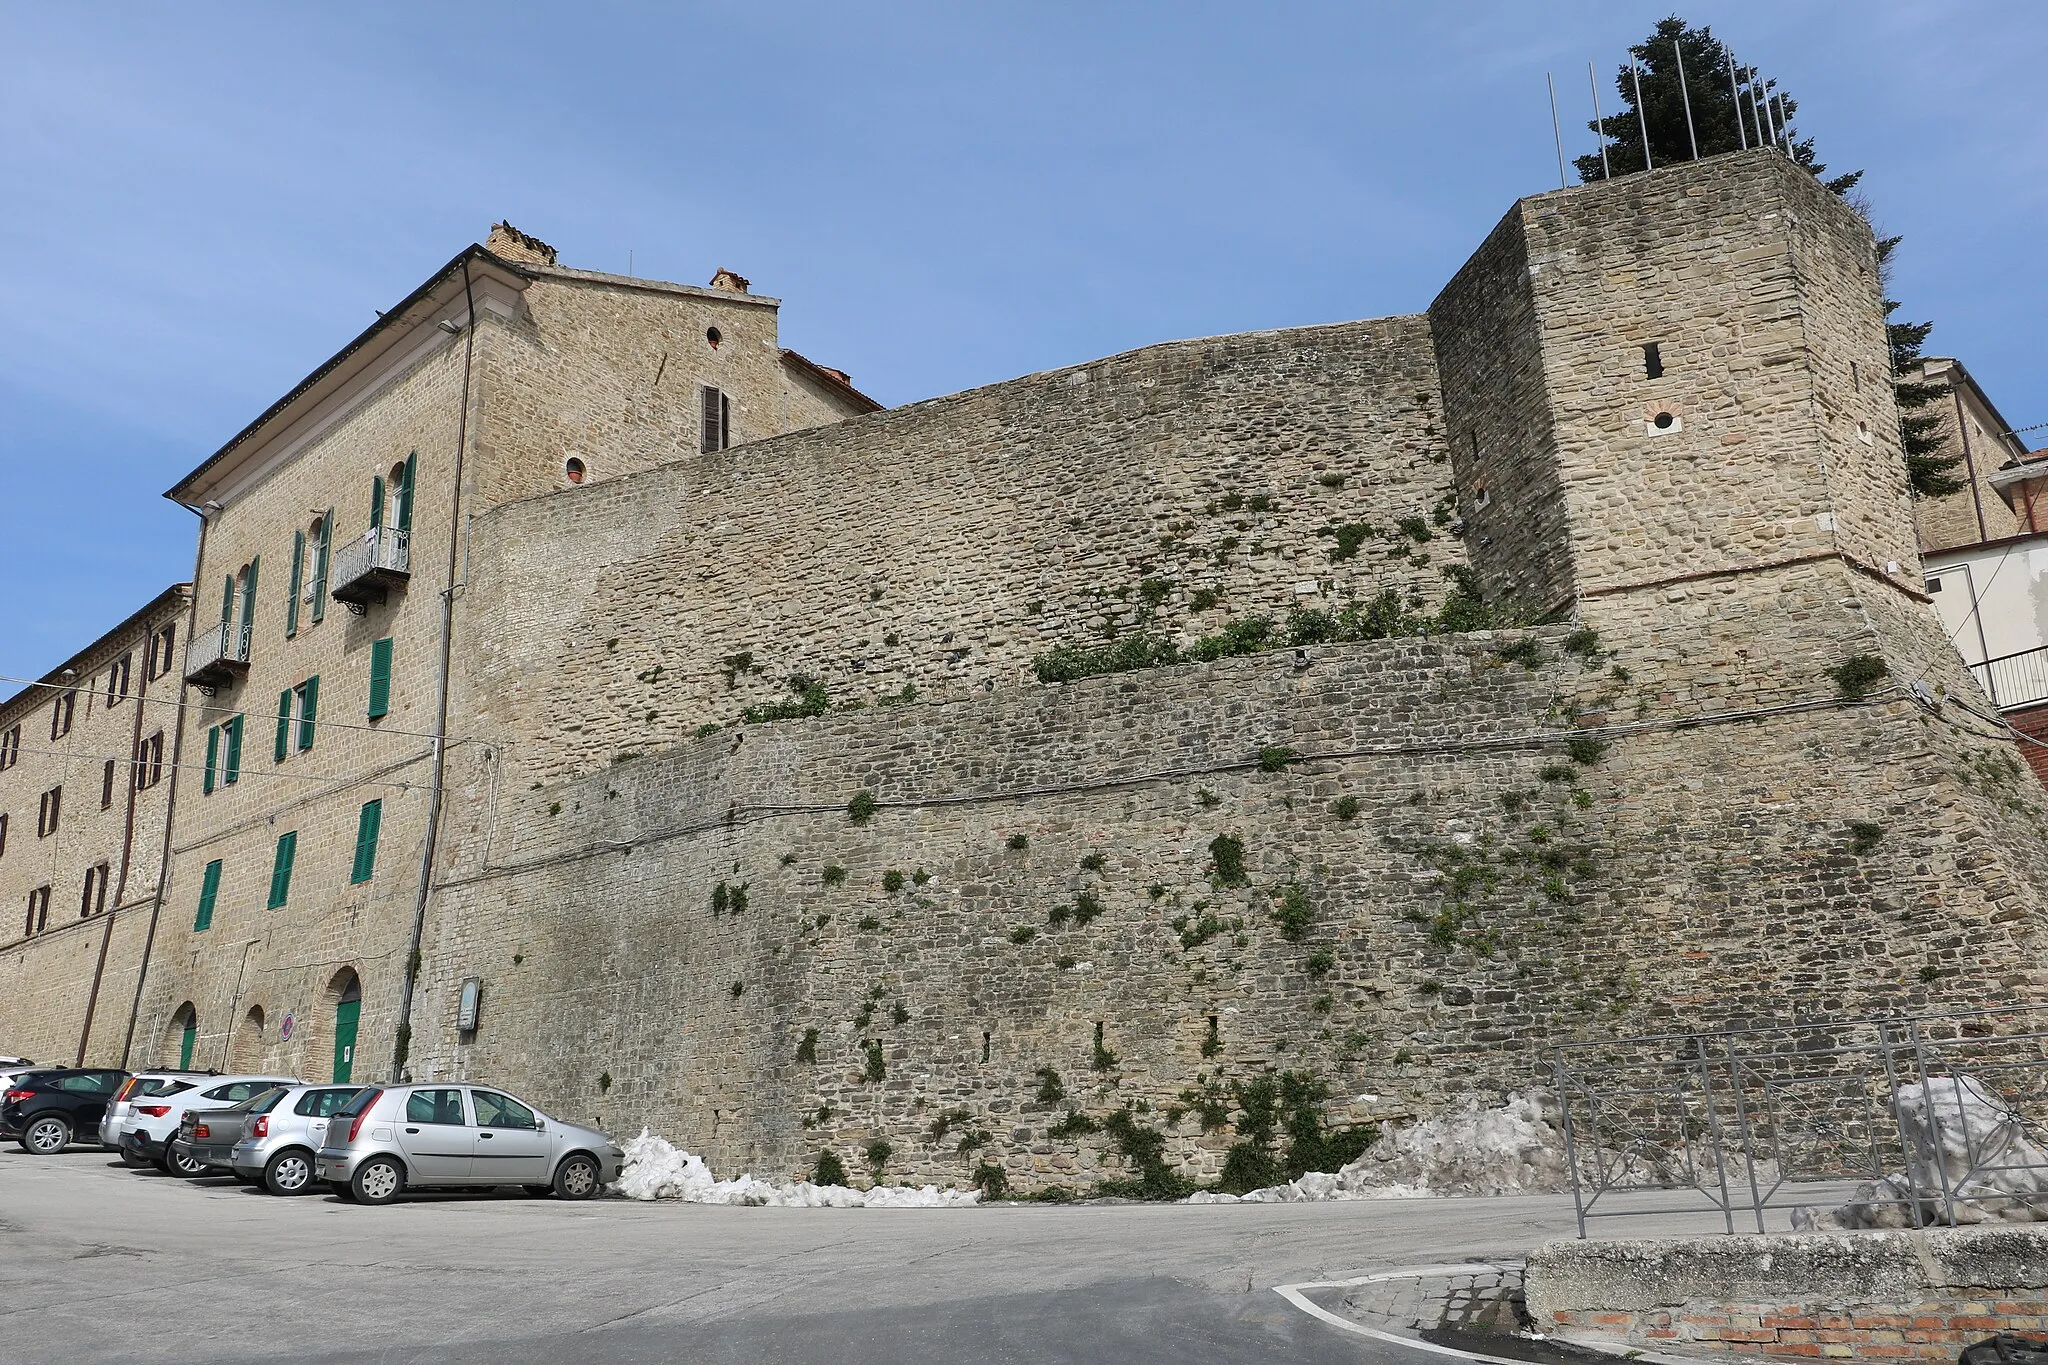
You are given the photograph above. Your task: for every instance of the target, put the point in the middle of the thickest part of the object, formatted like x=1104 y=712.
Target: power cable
x=181 y=704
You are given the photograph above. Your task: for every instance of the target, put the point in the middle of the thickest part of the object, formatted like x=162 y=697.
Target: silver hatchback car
x=275 y=1148
x=441 y=1136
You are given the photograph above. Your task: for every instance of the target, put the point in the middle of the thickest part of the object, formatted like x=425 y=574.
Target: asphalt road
x=101 y=1263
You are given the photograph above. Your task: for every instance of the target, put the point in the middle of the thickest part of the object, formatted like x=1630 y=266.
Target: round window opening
x=714 y=336
x=1663 y=421
x=575 y=469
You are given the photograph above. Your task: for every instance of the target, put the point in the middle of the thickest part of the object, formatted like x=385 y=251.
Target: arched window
x=247 y=1053
x=185 y=1032
x=346 y=992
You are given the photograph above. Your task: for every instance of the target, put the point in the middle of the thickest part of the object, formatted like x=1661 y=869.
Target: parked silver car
x=276 y=1147
x=392 y=1138
x=149 y=1135
x=206 y=1137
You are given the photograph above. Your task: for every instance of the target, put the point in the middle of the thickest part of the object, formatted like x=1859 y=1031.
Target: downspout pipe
x=163 y=870
x=403 y=1044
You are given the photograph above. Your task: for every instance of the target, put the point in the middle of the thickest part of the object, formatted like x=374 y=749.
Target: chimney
x=731 y=283
x=509 y=243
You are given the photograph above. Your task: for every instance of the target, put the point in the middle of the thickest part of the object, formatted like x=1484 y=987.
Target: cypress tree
x=1723 y=121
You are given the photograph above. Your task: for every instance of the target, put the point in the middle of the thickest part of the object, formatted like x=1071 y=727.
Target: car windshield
x=359 y=1103
x=259 y=1103
x=150 y=1086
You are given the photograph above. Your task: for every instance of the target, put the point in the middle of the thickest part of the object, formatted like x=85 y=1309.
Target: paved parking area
x=101 y=1263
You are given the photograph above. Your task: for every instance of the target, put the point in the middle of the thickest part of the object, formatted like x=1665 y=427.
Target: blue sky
x=205 y=201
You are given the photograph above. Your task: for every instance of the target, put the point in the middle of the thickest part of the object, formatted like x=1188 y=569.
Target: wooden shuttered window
x=309 y=705
x=291 y=601
x=323 y=544
x=367 y=825
x=209 y=889
x=380 y=677
x=231 y=740
x=284 y=726
x=377 y=503
x=715 y=421
x=212 y=758
x=249 y=592
x=227 y=601
x=281 y=868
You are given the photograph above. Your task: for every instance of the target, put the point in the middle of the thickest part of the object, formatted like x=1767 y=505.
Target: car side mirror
x=540 y=1125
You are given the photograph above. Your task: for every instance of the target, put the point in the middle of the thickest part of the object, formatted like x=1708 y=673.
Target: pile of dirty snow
x=656 y=1169
x=1512 y=1149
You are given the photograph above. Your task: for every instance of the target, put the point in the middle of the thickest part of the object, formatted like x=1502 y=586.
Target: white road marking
x=1297 y=1294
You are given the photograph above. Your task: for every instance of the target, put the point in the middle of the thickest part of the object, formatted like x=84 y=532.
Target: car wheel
x=133 y=1159
x=45 y=1136
x=576 y=1177
x=289 y=1172
x=179 y=1161
x=340 y=1189
x=377 y=1181
x=538 y=1191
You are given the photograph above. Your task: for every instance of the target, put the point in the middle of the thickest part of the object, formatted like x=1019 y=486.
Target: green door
x=345 y=1016
x=185 y=1045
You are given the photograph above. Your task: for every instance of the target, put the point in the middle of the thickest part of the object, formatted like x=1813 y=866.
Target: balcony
x=218 y=656
x=2014 y=679
x=366 y=570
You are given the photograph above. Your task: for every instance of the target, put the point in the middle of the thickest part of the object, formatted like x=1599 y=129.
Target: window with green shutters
x=291 y=601
x=209 y=888
x=367 y=825
x=380 y=677
x=323 y=538
x=309 y=706
x=212 y=758
x=281 y=869
x=284 y=726
x=231 y=762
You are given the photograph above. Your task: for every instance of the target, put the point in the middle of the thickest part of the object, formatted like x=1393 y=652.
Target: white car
x=141 y=1086
x=147 y=1133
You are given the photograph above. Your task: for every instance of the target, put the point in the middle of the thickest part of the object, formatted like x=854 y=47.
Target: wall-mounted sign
x=472 y=998
x=284 y=1030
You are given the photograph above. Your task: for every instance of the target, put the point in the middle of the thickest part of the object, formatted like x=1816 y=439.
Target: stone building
x=1003 y=787
x=88 y=757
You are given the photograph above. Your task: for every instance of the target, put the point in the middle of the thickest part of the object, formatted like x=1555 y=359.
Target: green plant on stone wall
x=1196 y=929
x=1863 y=835
x=1226 y=852
x=1344 y=807
x=1330 y=478
x=1051 y=1089
x=876 y=1070
x=1349 y=537
x=892 y=881
x=1586 y=751
x=1212 y=1041
x=811 y=700
x=1321 y=962
x=973 y=1140
x=861 y=808
x=1017 y=843
x=604 y=1082
x=1557 y=772
x=739 y=988
x=1856 y=675
x=1201 y=599
x=1087 y=905
x=1584 y=642
x=899 y=1013
x=1294 y=914
x=807 y=1050
x=1275 y=758
x=1143 y=1150
x=830 y=1170
x=1075 y=1124
x=1094 y=862
x=1023 y=934
x=1527 y=651
x=1102 y=1059
x=990 y=1180
x=1153 y=591
x=947 y=1122
x=720 y=896
x=833 y=875
x=735 y=664
x=879 y=1150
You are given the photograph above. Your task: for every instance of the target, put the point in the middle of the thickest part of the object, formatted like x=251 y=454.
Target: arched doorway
x=185 y=1029
x=346 y=991
x=246 y=1055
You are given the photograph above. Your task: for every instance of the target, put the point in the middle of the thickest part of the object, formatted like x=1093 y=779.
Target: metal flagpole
x=1755 y=117
x=1599 y=124
x=1735 y=92
x=1555 y=131
x=1770 y=115
x=1686 y=98
x=1642 y=120
x=1785 y=122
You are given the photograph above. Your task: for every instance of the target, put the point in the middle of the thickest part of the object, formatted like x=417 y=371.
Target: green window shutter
x=291 y=602
x=412 y=465
x=231 y=768
x=281 y=869
x=284 y=725
x=209 y=888
x=249 y=592
x=380 y=677
x=320 y=551
x=366 y=840
x=212 y=755
x=377 y=503
x=227 y=601
x=310 y=692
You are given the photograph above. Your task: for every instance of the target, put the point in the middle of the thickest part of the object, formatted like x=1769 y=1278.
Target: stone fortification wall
x=1492 y=888
x=942 y=546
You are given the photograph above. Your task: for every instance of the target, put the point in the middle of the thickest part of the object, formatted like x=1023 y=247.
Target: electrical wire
x=182 y=704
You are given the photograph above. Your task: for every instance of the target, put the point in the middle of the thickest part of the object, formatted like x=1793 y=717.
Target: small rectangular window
x=160 y=646
x=149 y=762
x=60 y=714
x=1653 y=362
x=212 y=759
x=291 y=596
x=380 y=678
x=107 y=784
x=10 y=747
x=715 y=421
x=117 y=680
x=231 y=760
x=94 y=900
x=367 y=823
x=3 y=834
x=38 y=911
x=281 y=868
x=46 y=815
x=209 y=890
x=308 y=697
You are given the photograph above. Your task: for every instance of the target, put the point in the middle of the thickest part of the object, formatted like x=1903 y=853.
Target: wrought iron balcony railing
x=366 y=570
x=2019 y=679
x=218 y=655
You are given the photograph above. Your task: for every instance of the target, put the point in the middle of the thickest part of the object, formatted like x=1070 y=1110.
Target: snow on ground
x=1512 y=1149
x=656 y=1169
